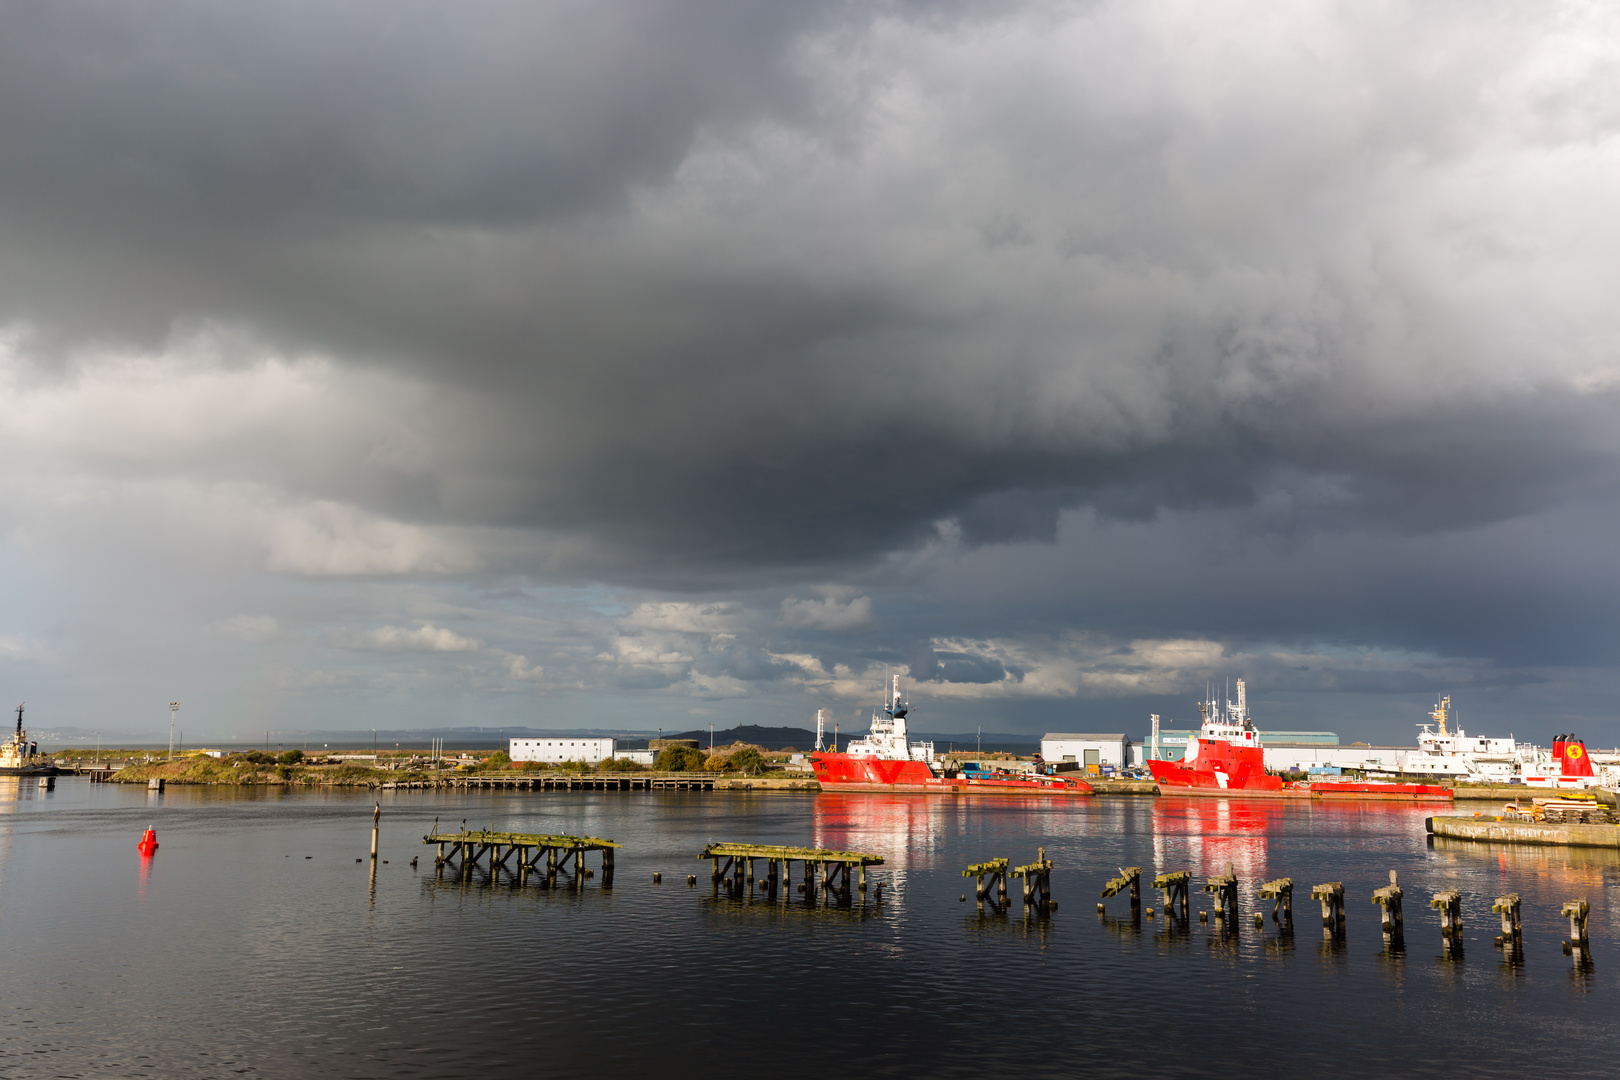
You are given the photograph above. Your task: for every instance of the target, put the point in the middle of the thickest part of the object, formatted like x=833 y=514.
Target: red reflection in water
x=145 y=876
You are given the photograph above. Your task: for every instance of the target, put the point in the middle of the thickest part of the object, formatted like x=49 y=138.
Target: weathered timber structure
x=737 y=862
x=1225 y=890
x=1037 y=882
x=1174 y=888
x=1281 y=893
x=1331 y=893
x=462 y=852
x=1512 y=924
x=612 y=781
x=1130 y=878
x=1389 y=899
x=992 y=876
x=1449 y=902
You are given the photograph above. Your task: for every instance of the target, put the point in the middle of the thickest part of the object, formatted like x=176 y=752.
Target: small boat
x=19 y=757
x=885 y=760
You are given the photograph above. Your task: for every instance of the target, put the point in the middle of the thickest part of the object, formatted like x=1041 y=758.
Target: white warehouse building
x=1115 y=750
x=575 y=748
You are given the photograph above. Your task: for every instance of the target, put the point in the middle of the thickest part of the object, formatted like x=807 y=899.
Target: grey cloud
x=1081 y=325
x=623 y=245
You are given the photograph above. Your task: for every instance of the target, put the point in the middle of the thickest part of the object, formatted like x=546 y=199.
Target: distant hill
x=779 y=738
x=766 y=738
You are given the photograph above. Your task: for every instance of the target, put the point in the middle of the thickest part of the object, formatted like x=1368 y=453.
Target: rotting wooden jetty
x=1225 y=890
x=1174 y=888
x=1037 y=883
x=1389 y=898
x=1449 y=903
x=1281 y=893
x=992 y=876
x=464 y=850
x=1130 y=878
x=561 y=782
x=737 y=862
x=1331 y=893
x=1576 y=911
x=1512 y=935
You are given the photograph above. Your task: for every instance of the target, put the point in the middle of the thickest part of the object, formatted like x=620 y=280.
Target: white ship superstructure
x=1454 y=754
x=888 y=737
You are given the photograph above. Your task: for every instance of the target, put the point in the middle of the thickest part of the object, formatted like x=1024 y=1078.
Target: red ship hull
x=845 y=772
x=1219 y=768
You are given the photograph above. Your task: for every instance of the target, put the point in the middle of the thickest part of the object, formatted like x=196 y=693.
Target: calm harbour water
x=254 y=944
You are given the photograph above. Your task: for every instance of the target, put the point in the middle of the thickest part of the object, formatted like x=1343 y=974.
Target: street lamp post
x=174 y=707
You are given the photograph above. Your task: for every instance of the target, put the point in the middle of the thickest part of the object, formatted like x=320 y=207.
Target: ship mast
x=19 y=720
x=1439 y=713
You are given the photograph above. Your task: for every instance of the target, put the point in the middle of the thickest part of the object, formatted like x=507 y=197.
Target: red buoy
x=148 y=842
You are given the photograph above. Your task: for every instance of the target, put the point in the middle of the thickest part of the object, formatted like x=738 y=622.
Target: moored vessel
x=1228 y=758
x=19 y=757
x=1451 y=752
x=886 y=760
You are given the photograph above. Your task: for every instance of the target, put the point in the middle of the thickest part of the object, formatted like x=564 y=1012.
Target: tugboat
x=886 y=761
x=1227 y=758
x=19 y=757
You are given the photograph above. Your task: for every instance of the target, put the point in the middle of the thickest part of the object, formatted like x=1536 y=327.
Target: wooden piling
x=1037 y=883
x=1225 y=890
x=376 y=819
x=1512 y=925
x=1389 y=898
x=1130 y=878
x=1331 y=893
x=1449 y=903
x=1281 y=893
x=1174 y=888
x=1576 y=911
x=991 y=875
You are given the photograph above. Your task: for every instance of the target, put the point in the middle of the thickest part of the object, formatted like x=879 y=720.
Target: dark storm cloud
x=704 y=287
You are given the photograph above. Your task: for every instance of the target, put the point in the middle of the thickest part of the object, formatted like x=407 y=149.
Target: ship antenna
x=19 y=718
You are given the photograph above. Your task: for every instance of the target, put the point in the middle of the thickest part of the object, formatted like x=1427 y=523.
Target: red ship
x=1227 y=758
x=885 y=761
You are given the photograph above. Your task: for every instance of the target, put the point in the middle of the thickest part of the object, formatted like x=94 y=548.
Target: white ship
x=19 y=757
x=1456 y=755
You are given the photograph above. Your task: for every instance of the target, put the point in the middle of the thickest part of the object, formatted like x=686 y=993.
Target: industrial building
x=573 y=748
x=1084 y=750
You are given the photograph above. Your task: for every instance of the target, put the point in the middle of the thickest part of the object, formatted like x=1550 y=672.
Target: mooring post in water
x=376 y=817
x=1389 y=898
x=1576 y=912
x=1281 y=893
x=1512 y=925
x=1449 y=903
x=1225 y=889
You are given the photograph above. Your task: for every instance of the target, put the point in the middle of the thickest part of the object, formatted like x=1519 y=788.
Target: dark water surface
x=232 y=953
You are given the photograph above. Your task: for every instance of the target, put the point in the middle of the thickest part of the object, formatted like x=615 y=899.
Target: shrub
x=618 y=765
x=680 y=759
x=500 y=759
x=259 y=757
x=747 y=760
x=291 y=757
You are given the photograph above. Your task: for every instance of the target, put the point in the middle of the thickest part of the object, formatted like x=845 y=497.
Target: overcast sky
x=647 y=365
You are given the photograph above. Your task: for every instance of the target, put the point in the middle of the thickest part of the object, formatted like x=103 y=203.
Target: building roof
x=1081 y=737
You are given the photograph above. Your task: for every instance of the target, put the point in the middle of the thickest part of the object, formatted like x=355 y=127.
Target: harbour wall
x=1525 y=832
